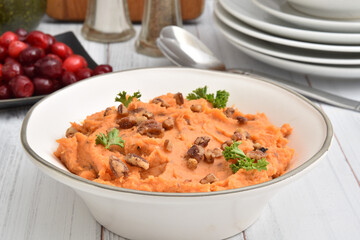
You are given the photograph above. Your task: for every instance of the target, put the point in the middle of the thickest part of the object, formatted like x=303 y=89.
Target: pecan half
x=202 y=141
x=210 y=178
x=168 y=145
x=229 y=112
x=257 y=154
x=168 y=124
x=196 y=108
x=191 y=163
x=179 y=98
x=70 y=132
x=151 y=128
x=127 y=122
x=122 y=111
x=137 y=161
x=118 y=167
x=196 y=152
x=161 y=101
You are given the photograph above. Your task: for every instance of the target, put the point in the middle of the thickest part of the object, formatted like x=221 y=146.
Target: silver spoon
x=184 y=49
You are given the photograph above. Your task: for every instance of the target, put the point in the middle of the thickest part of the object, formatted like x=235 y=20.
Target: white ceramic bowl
x=150 y=215
x=331 y=9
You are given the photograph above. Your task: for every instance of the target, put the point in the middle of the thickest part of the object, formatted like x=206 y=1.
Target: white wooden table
x=325 y=204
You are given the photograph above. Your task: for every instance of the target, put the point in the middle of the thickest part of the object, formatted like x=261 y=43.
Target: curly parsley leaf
x=218 y=101
x=243 y=162
x=112 y=138
x=126 y=100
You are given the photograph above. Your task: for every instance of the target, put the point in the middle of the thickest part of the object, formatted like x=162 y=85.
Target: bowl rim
x=324 y=148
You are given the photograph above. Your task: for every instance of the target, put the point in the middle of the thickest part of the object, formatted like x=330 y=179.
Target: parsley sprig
x=112 y=138
x=218 y=101
x=126 y=100
x=243 y=161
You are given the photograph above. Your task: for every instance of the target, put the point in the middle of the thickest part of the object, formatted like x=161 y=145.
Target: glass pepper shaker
x=157 y=14
x=107 y=21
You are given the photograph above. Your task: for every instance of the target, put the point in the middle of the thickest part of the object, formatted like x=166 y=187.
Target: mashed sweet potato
x=174 y=145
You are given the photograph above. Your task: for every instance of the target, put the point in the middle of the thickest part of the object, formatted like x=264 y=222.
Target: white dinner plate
x=249 y=13
x=290 y=53
x=240 y=26
x=282 y=10
x=338 y=72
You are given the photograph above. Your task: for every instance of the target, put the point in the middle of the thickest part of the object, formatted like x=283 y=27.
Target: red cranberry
x=21 y=86
x=30 y=55
x=60 y=49
x=38 y=39
x=7 y=38
x=21 y=32
x=5 y=92
x=48 y=67
x=3 y=53
x=69 y=51
x=51 y=40
x=1 y=66
x=50 y=55
x=16 y=47
x=104 y=68
x=29 y=71
x=84 y=73
x=68 y=78
x=43 y=86
x=10 y=70
x=10 y=60
x=74 y=63
x=56 y=84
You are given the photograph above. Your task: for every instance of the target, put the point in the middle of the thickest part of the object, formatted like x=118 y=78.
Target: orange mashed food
x=165 y=150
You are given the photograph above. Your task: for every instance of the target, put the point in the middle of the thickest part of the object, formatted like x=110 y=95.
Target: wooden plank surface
x=325 y=204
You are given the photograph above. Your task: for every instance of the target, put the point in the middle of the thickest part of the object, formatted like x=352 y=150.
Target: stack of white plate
x=272 y=32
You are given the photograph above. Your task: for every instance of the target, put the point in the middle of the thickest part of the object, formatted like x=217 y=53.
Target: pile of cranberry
x=35 y=63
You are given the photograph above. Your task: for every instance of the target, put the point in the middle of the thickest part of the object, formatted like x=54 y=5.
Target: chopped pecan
x=136 y=160
x=202 y=141
x=196 y=108
x=161 y=101
x=227 y=143
x=191 y=163
x=229 y=112
x=140 y=119
x=108 y=111
x=210 y=178
x=245 y=134
x=196 y=152
x=241 y=120
x=118 y=167
x=217 y=152
x=122 y=111
x=257 y=145
x=179 y=98
x=70 y=132
x=209 y=156
x=151 y=128
x=168 y=145
x=168 y=124
x=148 y=115
x=257 y=154
x=127 y=122
x=239 y=136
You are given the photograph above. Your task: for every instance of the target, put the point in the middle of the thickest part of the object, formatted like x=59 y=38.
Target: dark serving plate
x=69 y=39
